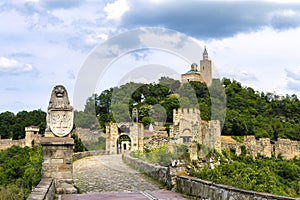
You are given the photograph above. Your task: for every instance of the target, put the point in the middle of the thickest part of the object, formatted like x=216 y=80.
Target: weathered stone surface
x=288 y=148
x=135 y=131
x=201 y=189
x=44 y=190
x=60 y=112
x=188 y=127
x=58 y=162
x=31 y=134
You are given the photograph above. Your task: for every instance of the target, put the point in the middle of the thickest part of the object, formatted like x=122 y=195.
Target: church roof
x=192 y=72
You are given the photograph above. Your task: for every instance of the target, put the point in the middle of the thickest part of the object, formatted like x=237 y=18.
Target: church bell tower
x=206 y=68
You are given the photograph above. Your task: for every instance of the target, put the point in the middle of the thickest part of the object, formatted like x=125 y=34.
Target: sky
x=48 y=42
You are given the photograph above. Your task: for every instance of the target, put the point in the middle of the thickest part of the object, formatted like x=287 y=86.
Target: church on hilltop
x=202 y=74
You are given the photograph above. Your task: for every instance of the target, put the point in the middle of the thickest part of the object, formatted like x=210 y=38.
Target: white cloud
x=115 y=10
x=96 y=38
x=293 y=79
x=265 y=54
x=242 y=75
x=10 y=66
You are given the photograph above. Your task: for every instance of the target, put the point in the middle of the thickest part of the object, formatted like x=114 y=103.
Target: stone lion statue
x=60 y=112
x=59 y=98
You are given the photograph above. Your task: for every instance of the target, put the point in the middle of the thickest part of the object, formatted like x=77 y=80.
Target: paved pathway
x=107 y=177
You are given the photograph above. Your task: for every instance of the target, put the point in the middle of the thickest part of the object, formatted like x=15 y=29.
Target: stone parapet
x=45 y=190
x=201 y=189
x=155 y=171
x=197 y=188
x=165 y=175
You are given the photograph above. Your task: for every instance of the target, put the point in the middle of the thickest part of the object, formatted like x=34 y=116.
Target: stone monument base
x=58 y=162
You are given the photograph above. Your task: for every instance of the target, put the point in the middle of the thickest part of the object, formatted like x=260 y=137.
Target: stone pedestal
x=58 y=162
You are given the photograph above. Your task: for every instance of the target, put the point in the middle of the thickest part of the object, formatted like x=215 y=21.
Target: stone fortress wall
x=31 y=134
x=188 y=128
x=264 y=146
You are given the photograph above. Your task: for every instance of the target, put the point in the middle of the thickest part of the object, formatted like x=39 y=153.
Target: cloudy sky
x=46 y=42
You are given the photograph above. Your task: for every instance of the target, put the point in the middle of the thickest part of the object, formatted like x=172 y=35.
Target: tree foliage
x=78 y=145
x=13 y=126
x=20 y=171
x=261 y=114
x=248 y=112
x=270 y=175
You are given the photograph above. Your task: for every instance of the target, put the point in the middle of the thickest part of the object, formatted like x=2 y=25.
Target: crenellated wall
x=188 y=127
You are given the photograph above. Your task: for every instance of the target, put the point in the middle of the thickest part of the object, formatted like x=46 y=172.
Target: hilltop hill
x=248 y=112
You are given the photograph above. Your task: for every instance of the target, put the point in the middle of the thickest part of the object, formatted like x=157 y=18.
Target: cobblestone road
x=107 y=173
x=107 y=177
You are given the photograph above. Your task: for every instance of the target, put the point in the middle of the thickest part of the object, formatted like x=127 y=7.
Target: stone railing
x=79 y=155
x=207 y=190
x=155 y=171
x=194 y=187
x=45 y=190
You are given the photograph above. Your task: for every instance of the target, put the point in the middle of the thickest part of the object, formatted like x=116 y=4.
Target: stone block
x=57 y=160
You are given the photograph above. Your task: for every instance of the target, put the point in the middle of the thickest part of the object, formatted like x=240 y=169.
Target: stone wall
x=45 y=190
x=201 y=189
x=7 y=143
x=196 y=76
x=155 y=171
x=87 y=135
x=188 y=127
x=288 y=148
x=194 y=187
x=27 y=141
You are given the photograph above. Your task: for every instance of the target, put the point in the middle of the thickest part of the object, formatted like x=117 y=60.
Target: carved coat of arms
x=60 y=113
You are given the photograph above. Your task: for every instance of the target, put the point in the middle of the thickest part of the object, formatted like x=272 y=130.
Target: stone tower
x=206 y=68
x=202 y=75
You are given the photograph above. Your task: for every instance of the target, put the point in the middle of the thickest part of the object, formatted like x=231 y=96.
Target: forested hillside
x=248 y=112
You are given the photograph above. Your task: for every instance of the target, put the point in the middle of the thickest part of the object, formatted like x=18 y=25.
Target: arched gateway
x=127 y=136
